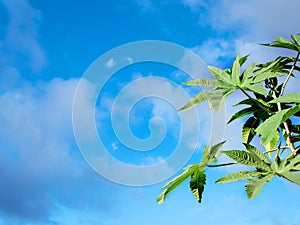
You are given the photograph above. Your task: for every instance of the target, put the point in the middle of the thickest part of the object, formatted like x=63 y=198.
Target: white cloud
x=193 y=4
x=39 y=162
x=110 y=63
x=114 y=146
x=22 y=34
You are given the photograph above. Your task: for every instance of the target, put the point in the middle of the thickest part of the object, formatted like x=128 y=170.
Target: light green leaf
x=199 y=98
x=247 y=74
x=257 y=89
x=273 y=143
x=243 y=175
x=220 y=75
x=296 y=39
x=236 y=70
x=247 y=159
x=216 y=98
x=268 y=128
x=264 y=76
x=248 y=130
x=214 y=149
x=171 y=185
x=292 y=163
x=293 y=177
x=254 y=186
x=197 y=183
x=288 y=98
x=260 y=154
x=204 y=82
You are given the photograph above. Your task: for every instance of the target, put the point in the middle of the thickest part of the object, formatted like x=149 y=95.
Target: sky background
x=45 y=48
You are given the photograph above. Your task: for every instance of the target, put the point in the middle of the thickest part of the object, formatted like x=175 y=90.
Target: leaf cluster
x=268 y=113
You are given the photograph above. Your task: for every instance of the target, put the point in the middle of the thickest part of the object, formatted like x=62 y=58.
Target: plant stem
x=260 y=104
x=289 y=75
x=286 y=127
x=225 y=164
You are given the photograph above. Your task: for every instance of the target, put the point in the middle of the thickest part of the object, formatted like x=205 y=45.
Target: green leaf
x=260 y=154
x=248 y=130
x=236 y=70
x=256 y=89
x=197 y=183
x=199 y=98
x=214 y=149
x=293 y=177
x=243 y=175
x=247 y=74
x=296 y=39
x=221 y=76
x=265 y=76
x=216 y=98
x=204 y=82
x=268 y=128
x=254 y=186
x=288 y=98
x=292 y=163
x=171 y=185
x=272 y=144
x=242 y=113
x=247 y=159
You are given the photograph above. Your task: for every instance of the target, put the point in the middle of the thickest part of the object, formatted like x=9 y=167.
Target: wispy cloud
x=22 y=37
x=40 y=165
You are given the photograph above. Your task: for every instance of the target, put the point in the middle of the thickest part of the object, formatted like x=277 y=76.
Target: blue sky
x=46 y=47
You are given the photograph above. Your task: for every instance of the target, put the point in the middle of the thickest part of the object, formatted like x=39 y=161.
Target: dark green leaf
x=197 y=184
x=248 y=130
x=242 y=113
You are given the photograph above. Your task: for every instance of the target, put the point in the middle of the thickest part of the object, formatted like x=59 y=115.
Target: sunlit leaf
x=268 y=128
x=243 y=175
x=288 y=98
x=254 y=186
x=203 y=82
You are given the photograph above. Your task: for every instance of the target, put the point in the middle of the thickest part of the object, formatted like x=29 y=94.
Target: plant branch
x=225 y=164
x=259 y=104
x=289 y=75
x=286 y=126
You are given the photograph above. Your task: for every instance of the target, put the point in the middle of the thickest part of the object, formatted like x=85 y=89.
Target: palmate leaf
x=203 y=82
x=254 y=186
x=171 y=185
x=246 y=159
x=296 y=39
x=242 y=175
x=288 y=98
x=197 y=183
x=248 y=130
